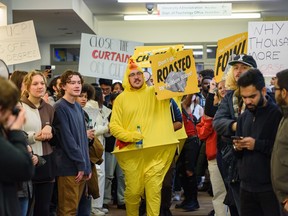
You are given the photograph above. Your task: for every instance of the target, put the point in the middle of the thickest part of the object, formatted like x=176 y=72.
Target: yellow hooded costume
x=144 y=168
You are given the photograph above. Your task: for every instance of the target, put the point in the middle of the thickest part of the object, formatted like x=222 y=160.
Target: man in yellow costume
x=146 y=167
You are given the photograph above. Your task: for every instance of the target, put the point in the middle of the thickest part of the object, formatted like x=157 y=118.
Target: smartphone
x=236 y=137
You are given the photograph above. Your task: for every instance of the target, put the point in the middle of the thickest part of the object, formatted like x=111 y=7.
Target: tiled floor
x=204 y=199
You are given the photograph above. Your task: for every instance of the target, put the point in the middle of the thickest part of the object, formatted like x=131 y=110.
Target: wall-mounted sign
x=216 y=9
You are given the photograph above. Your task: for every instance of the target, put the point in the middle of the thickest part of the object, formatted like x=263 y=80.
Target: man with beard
x=256 y=131
x=279 y=171
x=225 y=124
x=144 y=166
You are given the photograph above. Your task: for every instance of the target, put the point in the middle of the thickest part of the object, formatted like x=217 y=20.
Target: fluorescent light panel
x=175 y=1
x=156 y=17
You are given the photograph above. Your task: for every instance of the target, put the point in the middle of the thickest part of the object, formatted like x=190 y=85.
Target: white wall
x=190 y=31
x=44 y=46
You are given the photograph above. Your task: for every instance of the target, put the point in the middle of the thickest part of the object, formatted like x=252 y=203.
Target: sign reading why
x=174 y=74
x=216 y=9
x=104 y=57
x=227 y=47
x=268 y=44
x=18 y=43
x=143 y=53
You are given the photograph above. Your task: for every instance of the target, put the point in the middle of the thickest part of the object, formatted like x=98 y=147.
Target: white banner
x=104 y=57
x=216 y=9
x=18 y=43
x=268 y=44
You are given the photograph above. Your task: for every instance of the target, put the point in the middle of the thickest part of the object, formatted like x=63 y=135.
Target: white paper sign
x=268 y=44
x=216 y=9
x=18 y=43
x=104 y=57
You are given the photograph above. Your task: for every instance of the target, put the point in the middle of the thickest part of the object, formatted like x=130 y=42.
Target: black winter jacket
x=254 y=166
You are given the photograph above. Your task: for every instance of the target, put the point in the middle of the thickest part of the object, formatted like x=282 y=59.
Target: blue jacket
x=71 y=139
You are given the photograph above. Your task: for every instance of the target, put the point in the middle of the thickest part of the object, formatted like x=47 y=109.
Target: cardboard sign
x=18 y=43
x=236 y=44
x=142 y=54
x=174 y=74
x=104 y=57
x=268 y=44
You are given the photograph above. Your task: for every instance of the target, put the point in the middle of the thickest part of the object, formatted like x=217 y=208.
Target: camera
x=149 y=7
x=15 y=111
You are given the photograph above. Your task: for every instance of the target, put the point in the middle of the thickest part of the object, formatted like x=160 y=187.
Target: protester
x=38 y=126
x=225 y=123
x=144 y=168
x=253 y=144
x=15 y=161
x=279 y=169
x=72 y=159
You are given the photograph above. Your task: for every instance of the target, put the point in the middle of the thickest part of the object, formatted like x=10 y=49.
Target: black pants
x=258 y=203
x=42 y=197
x=166 y=191
x=187 y=162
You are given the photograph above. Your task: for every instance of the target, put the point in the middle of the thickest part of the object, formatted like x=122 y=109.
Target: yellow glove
x=135 y=136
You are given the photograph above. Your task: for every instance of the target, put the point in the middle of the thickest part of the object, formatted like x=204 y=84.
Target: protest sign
x=18 y=43
x=268 y=44
x=227 y=47
x=104 y=57
x=174 y=74
x=143 y=53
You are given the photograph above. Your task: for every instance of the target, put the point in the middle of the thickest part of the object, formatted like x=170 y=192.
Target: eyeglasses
x=134 y=74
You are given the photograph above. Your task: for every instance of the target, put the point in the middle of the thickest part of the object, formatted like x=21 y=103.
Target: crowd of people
x=73 y=148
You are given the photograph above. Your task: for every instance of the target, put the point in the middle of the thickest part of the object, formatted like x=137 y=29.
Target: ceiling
x=66 y=23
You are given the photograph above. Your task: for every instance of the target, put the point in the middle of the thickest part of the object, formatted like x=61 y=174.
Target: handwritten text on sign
x=268 y=44
x=104 y=57
x=18 y=43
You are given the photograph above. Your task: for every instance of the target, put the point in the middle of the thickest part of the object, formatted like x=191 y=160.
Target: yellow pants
x=144 y=170
x=69 y=195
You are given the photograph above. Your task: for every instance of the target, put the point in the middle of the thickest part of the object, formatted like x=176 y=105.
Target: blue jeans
x=24 y=205
x=111 y=165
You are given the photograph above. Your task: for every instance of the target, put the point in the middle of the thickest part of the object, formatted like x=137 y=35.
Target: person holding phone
x=256 y=131
x=225 y=124
x=15 y=162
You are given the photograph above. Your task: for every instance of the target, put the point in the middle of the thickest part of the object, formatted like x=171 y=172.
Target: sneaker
x=105 y=210
x=177 y=196
x=191 y=205
x=97 y=212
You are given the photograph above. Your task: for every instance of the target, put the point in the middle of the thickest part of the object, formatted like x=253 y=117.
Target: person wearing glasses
x=279 y=168
x=146 y=141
